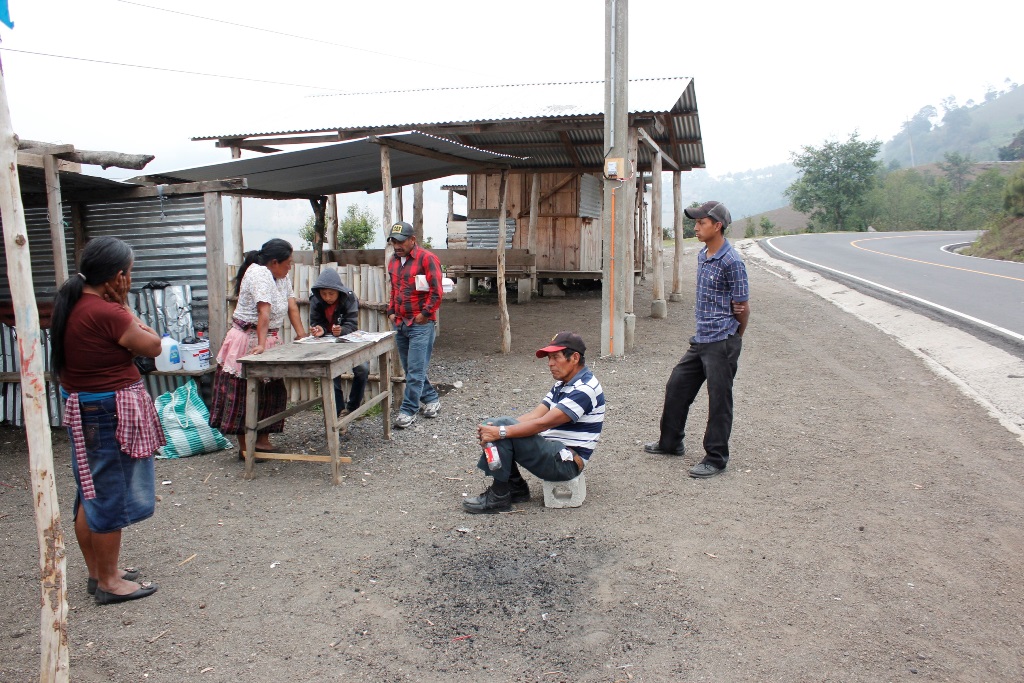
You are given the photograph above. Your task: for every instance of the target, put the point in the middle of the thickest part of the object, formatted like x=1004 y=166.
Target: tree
x=957 y=168
x=834 y=181
x=1013 y=200
x=355 y=230
x=1014 y=150
x=767 y=227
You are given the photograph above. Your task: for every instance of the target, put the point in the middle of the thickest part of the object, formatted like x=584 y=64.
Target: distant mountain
x=974 y=130
x=746 y=193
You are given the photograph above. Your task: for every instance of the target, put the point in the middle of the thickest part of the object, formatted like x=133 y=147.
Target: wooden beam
x=201 y=187
x=531 y=234
x=649 y=141
x=677 y=227
x=234 y=254
x=103 y=159
x=53 y=604
x=506 y=328
x=332 y=222
x=216 y=271
x=33 y=160
x=432 y=154
x=658 y=308
x=55 y=210
x=296 y=140
x=417 y=211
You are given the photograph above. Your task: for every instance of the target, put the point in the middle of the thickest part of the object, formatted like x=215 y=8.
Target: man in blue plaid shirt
x=722 y=310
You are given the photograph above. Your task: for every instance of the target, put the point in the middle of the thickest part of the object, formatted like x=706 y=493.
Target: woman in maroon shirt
x=110 y=418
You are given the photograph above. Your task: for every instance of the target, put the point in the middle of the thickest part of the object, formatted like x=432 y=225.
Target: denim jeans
x=415 y=345
x=715 y=363
x=355 y=394
x=535 y=454
x=125 y=486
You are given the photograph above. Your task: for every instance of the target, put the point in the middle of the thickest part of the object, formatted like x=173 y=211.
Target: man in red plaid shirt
x=415 y=297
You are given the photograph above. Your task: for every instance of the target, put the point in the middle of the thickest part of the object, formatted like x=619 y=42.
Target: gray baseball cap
x=716 y=211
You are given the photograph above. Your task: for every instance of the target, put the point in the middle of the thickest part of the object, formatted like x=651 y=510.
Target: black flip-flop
x=145 y=590
x=130 y=574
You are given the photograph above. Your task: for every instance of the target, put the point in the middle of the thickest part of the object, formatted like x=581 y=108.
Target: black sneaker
x=520 y=490
x=655 y=447
x=703 y=470
x=488 y=502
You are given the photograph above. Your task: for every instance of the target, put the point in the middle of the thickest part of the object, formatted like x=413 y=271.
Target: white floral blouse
x=259 y=285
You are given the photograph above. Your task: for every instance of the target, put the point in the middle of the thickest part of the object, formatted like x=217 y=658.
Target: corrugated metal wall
x=37 y=224
x=482 y=233
x=591 y=196
x=169 y=238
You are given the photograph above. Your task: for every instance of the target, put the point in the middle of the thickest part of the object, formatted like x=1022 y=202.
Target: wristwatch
x=502 y=432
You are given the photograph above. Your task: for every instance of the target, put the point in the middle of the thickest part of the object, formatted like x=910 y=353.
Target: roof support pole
x=677 y=233
x=216 y=270
x=618 y=194
x=506 y=328
x=53 y=605
x=629 y=339
x=236 y=250
x=417 y=211
x=385 y=179
x=399 y=205
x=659 y=309
x=332 y=222
x=531 y=233
x=55 y=211
x=319 y=205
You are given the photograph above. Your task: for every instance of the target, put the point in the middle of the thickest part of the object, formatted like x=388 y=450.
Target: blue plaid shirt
x=721 y=280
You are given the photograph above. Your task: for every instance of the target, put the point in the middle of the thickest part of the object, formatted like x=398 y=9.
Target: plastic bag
x=186 y=424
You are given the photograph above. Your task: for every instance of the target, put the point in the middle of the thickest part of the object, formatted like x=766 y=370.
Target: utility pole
x=619 y=185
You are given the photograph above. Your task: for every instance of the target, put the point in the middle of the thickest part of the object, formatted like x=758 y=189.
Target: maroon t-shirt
x=93 y=360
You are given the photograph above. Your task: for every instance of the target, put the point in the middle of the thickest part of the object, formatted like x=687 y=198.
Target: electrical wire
x=177 y=71
x=295 y=36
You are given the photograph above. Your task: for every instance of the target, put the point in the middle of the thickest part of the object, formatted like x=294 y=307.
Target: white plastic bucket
x=195 y=356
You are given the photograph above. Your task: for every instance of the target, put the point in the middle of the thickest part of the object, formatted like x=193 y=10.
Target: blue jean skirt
x=125 y=486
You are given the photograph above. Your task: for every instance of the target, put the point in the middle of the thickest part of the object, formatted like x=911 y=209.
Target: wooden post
x=531 y=233
x=55 y=209
x=506 y=328
x=659 y=309
x=677 y=228
x=216 y=271
x=451 y=206
x=632 y=223
x=53 y=612
x=385 y=179
x=417 y=211
x=78 y=230
x=319 y=205
x=332 y=222
x=236 y=250
x=399 y=205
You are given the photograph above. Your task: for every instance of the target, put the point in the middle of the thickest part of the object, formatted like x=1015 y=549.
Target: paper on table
x=362 y=336
x=326 y=339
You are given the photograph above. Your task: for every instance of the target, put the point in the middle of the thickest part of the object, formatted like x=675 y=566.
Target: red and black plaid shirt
x=406 y=302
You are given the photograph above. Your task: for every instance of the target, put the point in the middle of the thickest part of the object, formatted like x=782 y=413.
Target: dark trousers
x=716 y=364
x=537 y=455
x=360 y=374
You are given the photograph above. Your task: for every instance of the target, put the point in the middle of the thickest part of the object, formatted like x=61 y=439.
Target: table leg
x=331 y=424
x=383 y=362
x=252 y=416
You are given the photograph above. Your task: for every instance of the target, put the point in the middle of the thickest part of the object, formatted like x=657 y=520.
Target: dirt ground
x=870 y=527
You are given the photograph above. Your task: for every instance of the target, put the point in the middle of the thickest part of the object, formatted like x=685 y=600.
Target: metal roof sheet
x=352 y=166
x=434 y=106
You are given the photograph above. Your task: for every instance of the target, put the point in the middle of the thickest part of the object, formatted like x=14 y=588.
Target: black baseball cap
x=400 y=231
x=716 y=211
x=564 y=340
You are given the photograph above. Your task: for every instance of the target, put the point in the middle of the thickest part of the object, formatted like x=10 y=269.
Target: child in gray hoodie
x=334 y=309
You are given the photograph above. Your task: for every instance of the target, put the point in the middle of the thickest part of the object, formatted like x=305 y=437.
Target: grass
x=1004 y=241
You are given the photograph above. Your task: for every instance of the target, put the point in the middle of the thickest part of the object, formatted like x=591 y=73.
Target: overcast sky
x=769 y=77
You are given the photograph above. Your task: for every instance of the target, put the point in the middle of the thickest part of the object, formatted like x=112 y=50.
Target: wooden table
x=324 y=361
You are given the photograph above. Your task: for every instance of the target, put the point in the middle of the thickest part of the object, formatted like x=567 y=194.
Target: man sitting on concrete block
x=553 y=441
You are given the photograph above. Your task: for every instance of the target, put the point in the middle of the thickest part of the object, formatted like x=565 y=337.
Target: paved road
x=921 y=267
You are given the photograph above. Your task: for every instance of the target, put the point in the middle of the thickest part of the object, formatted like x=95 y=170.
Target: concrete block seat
x=565 y=494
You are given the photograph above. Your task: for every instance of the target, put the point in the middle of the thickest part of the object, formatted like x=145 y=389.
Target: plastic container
x=196 y=355
x=169 y=359
x=491 y=453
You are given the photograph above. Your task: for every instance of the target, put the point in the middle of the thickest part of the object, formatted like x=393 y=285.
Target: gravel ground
x=869 y=528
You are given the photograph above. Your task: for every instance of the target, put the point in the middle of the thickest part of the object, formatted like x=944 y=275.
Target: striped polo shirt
x=582 y=399
x=721 y=279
